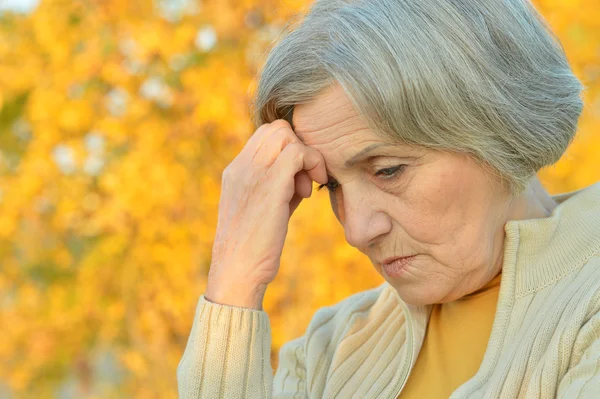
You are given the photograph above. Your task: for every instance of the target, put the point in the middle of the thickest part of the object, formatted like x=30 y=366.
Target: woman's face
x=395 y=200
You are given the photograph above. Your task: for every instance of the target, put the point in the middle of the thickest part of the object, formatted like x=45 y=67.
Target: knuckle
x=283 y=136
x=296 y=148
x=284 y=132
x=294 y=153
x=280 y=123
x=261 y=133
x=262 y=128
x=230 y=171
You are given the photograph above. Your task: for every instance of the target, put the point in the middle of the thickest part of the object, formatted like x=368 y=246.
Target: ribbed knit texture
x=545 y=341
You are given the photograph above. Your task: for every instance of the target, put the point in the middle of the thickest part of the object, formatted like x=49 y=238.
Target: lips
x=387 y=261
x=395 y=267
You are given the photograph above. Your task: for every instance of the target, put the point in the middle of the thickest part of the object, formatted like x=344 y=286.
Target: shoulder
x=330 y=324
x=331 y=320
x=585 y=283
x=351 y=321
x=562 y=249
x=339 y=330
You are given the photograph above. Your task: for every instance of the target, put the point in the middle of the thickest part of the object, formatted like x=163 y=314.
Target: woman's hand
x=260 y=190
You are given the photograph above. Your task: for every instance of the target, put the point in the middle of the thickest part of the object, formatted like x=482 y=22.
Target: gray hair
x=482 y=77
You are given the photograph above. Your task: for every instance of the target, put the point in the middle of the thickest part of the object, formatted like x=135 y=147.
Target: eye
x=385 y=173
x=331 y=185
x=388 y=173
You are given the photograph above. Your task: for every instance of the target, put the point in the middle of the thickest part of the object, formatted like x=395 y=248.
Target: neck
x=533 y=203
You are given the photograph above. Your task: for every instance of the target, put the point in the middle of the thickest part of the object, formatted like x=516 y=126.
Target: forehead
x=330 y=111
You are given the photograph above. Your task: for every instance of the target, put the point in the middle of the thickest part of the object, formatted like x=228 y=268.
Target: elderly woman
x=426 y=120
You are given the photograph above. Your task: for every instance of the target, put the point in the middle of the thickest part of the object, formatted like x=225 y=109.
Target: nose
x=364 y=219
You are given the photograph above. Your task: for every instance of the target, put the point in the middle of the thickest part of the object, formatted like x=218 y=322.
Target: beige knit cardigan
x=545 y=340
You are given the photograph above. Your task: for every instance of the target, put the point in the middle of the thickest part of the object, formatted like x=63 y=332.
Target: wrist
x=238 y=295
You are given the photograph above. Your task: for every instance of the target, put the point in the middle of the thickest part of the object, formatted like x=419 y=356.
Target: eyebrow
x=357 y=157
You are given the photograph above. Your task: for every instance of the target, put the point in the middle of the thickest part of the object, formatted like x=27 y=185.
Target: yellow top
x=457 y=336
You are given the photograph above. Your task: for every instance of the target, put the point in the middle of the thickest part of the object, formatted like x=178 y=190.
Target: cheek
x=425 y=225
x=450 y=212
x=435 y=212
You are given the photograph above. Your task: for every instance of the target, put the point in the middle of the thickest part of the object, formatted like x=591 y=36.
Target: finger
x=303 y=184
x=314 y=165
x=270 y=149
x=268 y=139
x=266 y=128
x=296 y=157
x=294 y=203
x=272 y=144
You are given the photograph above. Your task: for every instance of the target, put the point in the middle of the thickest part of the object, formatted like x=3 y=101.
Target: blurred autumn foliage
x=116 y=121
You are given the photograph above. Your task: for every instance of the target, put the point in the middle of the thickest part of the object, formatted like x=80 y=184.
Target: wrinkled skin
x=442 y=207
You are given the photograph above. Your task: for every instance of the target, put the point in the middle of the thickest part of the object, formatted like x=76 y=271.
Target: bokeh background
x=116 y=121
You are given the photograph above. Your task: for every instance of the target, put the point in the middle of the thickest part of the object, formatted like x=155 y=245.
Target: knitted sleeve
x=582 y=380
x=228 y=356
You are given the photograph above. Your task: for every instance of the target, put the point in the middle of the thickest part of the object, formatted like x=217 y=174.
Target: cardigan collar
x=543 y=247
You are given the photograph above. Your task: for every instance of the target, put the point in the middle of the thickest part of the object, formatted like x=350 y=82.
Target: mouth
x=395 y=267
x=388 y=261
